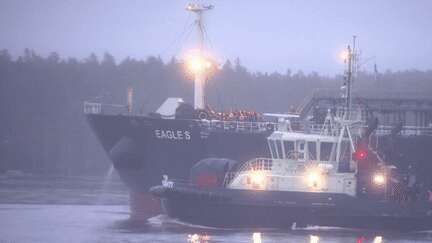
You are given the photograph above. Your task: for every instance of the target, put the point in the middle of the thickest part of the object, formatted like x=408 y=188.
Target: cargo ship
x=176 y=136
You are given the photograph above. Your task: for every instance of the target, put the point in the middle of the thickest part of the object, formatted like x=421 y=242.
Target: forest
x=43 y=129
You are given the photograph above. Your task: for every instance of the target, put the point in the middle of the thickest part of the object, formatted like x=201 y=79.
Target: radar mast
x=351 y=61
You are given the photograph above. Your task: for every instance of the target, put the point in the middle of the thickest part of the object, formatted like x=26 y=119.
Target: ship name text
x=172 y=135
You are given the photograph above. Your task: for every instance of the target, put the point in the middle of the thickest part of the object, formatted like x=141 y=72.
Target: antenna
x=352 y=61
x=200 y=75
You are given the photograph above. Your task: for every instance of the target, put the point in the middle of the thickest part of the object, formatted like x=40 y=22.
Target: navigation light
x=379 y=179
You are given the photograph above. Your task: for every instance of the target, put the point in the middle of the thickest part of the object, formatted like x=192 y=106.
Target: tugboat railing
x=256 y=164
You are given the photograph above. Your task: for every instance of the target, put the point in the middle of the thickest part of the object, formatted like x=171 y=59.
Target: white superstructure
x=317 y=160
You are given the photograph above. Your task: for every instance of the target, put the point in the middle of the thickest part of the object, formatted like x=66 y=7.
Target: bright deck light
x=197 y=63
x=258 y=179
x=313 y=178
x=343 y=55
x=379 y=179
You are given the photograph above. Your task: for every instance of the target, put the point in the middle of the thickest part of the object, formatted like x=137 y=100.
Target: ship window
x=272 y=146
x=326 y=151
x=279 y=149
x=345 y=156
x=301 y=149
x=289 y=148
x=312 y=151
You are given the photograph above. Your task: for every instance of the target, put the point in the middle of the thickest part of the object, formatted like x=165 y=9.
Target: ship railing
x=256 y=164
x=405 y=131
x=316 y=129
x=238 y=126
x=99 y=108
x=382 y=130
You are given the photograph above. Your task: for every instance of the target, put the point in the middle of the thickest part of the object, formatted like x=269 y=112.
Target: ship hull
x=227 y=208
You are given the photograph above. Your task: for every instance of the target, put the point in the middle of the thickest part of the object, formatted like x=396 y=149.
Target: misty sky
x=266 y=35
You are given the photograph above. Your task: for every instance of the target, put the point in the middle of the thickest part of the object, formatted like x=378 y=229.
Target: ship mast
x=200 y=75
x=351 y=60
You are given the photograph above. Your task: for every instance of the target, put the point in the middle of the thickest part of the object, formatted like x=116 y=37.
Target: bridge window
x=345 y=157
x=289 y=148
x=327 y=151
x=312 y=150
x=272 y=146
x=301 y=149
x=279 y=149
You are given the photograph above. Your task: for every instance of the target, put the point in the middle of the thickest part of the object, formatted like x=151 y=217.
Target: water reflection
x=256 y=237
x=198 y=238
x=314 y=239
x=378 y=239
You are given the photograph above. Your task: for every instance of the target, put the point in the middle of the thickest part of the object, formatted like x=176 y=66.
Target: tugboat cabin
x=301 y=162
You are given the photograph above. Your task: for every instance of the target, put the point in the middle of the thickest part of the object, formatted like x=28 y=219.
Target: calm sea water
x=94 y=210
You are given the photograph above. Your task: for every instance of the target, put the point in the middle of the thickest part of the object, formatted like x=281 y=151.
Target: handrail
x=99 y=108
x=256 y=164
x=253 y=126
x=238 y=126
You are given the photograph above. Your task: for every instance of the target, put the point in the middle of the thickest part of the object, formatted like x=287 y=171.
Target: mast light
x=344 y=55
x=198 y=64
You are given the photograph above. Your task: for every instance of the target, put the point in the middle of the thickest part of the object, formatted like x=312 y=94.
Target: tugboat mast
x=351 y=61
x=200 y=74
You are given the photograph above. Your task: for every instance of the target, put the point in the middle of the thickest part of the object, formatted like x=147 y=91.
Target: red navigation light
x=360 y=155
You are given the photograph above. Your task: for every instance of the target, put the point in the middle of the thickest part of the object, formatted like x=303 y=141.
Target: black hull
x=227 y=208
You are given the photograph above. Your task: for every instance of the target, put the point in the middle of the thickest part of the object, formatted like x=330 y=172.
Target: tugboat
x=312 y=178
x=325 y=175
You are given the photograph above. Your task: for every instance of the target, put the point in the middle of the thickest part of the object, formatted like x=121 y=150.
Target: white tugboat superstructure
x=303 y=162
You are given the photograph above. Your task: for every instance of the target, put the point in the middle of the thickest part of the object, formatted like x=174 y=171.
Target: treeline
x=43 y=129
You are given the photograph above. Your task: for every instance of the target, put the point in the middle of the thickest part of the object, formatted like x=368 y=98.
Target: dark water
x=95 y=210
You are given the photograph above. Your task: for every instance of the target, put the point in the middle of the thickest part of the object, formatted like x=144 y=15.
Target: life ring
x=270 y=127
x=203 y=115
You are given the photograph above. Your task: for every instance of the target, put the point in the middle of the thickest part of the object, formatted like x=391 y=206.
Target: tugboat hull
x=228 y=208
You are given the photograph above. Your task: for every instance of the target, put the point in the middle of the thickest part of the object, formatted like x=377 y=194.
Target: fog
x=271 y=36
x=41 y=100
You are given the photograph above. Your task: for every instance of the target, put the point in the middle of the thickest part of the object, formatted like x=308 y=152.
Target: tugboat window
x=289 y=148
x=301 y=149
x=345 y=157
x=272 y=146
x=279 y=149
x=312 y=151
x=326 y=151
